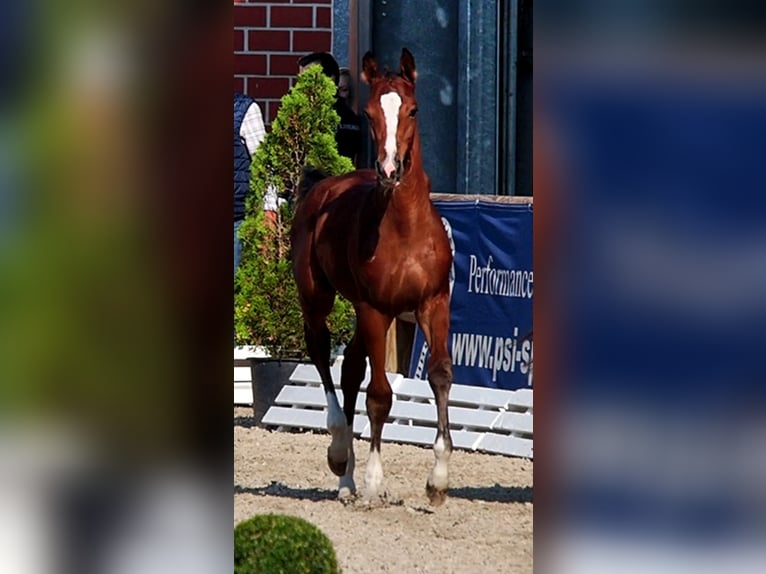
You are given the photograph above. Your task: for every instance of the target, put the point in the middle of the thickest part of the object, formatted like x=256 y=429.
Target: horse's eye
x=413 y=112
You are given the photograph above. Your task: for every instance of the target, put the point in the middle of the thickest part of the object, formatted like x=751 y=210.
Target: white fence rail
x=482 y=419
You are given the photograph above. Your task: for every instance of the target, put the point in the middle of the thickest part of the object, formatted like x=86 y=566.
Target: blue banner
x=660 y=299
x=491 y=295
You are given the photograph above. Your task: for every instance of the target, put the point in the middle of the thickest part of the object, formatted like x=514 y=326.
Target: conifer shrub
x=266 y=308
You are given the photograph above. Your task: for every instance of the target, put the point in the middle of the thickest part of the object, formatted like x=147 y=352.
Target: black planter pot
x=268 y=376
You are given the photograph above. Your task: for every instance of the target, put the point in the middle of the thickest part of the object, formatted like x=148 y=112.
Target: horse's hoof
x=338 y=467
x=436 y=496
x=376 y=500
x=345 y=494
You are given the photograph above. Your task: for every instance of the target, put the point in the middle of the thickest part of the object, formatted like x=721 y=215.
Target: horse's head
x=391 y=110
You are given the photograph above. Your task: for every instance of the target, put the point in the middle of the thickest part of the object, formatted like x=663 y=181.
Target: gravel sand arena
x=484 y=527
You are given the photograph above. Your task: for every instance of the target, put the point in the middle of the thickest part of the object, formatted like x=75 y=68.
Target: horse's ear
x=369 y=67
x=407 y=66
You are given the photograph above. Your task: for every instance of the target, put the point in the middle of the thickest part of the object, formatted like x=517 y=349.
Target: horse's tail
x=311 y=176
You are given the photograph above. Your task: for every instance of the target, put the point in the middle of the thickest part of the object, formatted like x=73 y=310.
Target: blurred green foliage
x=86 y=334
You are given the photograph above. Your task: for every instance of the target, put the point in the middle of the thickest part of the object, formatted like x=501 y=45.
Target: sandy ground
x=484 y=527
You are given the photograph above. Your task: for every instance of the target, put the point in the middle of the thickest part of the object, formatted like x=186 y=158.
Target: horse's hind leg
x=433 y=317
x=352 y=374
x=372 y=325
x=318 y=345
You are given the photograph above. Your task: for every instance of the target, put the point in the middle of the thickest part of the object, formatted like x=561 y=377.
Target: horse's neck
x=415 y=187
x=406 y=204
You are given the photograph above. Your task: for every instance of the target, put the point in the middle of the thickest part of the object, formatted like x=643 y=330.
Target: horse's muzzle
x=391 y=179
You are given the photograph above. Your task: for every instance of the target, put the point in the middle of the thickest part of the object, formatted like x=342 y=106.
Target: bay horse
x=374 y=236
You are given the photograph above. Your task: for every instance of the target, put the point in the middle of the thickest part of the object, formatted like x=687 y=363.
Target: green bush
x=266 y=307
x=280 y=544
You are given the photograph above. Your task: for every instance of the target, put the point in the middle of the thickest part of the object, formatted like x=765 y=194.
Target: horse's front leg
x=372 y=326
x=433 y=317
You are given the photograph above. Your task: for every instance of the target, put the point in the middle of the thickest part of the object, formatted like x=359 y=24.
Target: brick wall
x=269 y=37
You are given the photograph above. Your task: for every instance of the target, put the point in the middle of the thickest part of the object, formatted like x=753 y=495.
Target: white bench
x=286 y=417
x=489 y=420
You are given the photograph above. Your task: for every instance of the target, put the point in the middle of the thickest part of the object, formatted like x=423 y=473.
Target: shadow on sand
x=496 y=493
x=282 y=490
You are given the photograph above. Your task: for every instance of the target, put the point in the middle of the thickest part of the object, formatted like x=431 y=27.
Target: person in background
x=345 y=88
x=249 y=132
x=349 y=133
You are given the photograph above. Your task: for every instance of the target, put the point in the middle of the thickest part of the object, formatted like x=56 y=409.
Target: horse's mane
x=311 y=176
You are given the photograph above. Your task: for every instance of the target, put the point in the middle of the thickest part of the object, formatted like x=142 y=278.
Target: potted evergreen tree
x=266 y=308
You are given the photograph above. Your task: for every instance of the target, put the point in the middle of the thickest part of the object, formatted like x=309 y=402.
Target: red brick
x=291 y=17
x=327 y=2
x=266 y=40
x=239 y=40
x=268 y=87
x=239 y=84
x=311 y=41
x=250 y=16
x=324 y=18
x=283 y=65
x=253 y=64
x=273 y=109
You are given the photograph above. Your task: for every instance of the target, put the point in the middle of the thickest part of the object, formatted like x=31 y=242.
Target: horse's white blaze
x=390 y=102
x=373 y=477
x=440 y=472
